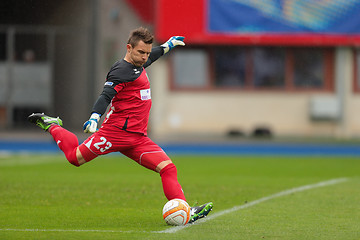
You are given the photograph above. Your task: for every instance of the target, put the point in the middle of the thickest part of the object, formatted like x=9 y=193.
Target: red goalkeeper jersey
x=130 y=107
x=127 y=87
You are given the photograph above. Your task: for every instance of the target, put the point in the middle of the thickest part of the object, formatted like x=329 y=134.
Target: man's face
x=139 y=54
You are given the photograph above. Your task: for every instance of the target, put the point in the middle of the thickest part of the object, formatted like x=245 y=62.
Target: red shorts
x=136 y=146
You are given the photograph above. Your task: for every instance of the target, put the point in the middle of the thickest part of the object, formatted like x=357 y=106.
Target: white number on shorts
x=103 y=142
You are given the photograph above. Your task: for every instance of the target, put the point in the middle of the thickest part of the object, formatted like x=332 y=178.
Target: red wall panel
x=181 y=17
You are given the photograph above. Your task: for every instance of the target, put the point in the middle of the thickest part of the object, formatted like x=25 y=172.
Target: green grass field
x=44 y=197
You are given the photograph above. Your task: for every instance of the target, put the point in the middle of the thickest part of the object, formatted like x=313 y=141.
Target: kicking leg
x=170 y=183
x=150 y=155
x=67 y=141
x=172 y=189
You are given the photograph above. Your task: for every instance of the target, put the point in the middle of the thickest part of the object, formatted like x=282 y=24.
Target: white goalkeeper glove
x=90 y=126
x=173 y=42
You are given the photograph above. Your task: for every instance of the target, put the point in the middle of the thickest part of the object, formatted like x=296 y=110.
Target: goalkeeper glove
x=173 y=42
x=90 y=126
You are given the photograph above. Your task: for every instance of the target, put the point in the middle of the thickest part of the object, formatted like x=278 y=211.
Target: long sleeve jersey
x=127 y=88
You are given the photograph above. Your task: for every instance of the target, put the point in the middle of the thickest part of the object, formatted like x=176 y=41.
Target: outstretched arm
x=157 y=52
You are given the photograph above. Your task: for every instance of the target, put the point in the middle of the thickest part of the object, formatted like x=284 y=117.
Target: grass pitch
x=44 y=197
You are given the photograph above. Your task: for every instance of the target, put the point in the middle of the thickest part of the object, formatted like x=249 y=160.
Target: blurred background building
x=283 y=68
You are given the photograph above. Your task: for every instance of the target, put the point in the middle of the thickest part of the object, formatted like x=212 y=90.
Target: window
x=254 y=68
x=308 y=68
x=230 y=66
x=190 y=69
x=269 y=66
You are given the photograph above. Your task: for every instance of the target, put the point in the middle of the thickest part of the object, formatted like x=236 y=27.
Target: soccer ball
x=176 y=212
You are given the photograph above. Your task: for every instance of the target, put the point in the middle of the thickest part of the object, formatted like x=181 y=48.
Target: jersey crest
x=145 y=94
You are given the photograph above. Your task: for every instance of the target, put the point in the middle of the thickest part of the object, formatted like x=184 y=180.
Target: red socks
x=67 y=142
x=171 y=186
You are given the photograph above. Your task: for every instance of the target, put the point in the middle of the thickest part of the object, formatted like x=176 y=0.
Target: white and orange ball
x=176 y=212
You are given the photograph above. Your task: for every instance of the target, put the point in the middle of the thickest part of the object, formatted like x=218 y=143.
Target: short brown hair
x=140 y=34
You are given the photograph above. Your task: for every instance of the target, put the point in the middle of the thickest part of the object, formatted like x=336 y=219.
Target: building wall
x=57 y=34
x=349 y=127
x=285 y=114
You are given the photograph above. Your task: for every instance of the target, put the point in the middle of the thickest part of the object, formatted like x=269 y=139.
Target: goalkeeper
x=124 y=129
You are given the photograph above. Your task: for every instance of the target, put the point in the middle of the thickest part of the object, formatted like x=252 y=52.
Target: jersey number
x=103 y=145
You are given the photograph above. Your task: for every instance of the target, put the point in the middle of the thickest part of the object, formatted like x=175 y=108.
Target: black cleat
x=43 y=121
x=199 y=212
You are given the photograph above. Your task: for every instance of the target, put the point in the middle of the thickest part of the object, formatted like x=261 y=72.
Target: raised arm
x=157 y=52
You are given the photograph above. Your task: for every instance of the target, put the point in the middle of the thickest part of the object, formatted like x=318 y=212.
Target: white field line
x=65 y=230
x=252 y=203
x=210 y=217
